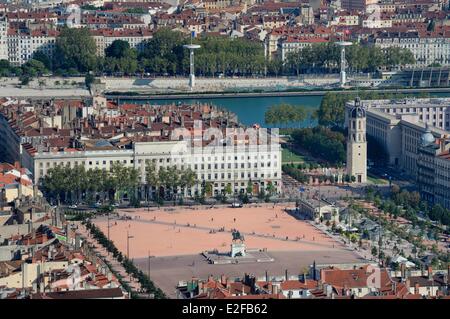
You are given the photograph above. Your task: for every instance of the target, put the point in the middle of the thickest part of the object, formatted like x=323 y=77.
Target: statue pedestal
x=237 y=249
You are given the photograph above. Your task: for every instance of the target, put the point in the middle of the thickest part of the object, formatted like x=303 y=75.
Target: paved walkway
x=353 y=247
x=105 y=255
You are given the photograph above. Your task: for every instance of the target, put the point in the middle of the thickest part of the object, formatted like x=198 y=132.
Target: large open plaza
x=184 y=231
x=176 y=237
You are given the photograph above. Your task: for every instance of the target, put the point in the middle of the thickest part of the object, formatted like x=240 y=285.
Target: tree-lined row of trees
x=413 y=205
x=127 y=264
x=172 y=180
x=325 y=57
x=75 y=185
x=25 y=72
x=75 y=52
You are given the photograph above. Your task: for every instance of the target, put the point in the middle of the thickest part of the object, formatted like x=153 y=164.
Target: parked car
x=236 y=205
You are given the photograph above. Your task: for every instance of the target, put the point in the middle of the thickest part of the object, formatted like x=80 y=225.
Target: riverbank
x=34 y=93
x=162 y=88
x=291 y=93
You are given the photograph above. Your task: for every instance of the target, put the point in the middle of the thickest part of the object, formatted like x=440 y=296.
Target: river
x=250 y=110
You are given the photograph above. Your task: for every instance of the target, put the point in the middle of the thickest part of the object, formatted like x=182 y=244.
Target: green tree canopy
x=75 y=48
x=283 y=114
x=44 y=58
x=117 y=49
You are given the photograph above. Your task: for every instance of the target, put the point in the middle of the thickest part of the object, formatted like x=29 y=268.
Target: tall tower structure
x=191 y=47
x=343 y=74
x=356 y=142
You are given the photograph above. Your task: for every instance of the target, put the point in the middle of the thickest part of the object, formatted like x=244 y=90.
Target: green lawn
x=376 y=180
x=290 y=157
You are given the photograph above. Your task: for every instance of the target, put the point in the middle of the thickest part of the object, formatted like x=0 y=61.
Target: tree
x=228 y=189
x=321 y=142
x=208 y=188
x=271 y=190
x=24 y=79
x=275 y=66
x=249 y=188
x=188 y=179
x=374 y=251
x=44 y=59
x=33 y=68
x=285 y=114
x=75 y=48
x=117 y=49
x=164 y=52
x=89 y=79
x=395 y=57
x=5 y=68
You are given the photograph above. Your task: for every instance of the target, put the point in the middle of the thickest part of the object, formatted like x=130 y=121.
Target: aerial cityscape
x=247 y=150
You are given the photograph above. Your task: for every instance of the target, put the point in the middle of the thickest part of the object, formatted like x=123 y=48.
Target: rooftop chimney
x=403 y=271
x=430 y=272
x=223 y=280
x=275 y=289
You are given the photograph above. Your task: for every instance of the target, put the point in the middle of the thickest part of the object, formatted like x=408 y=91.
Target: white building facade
x=399 y=125
x=3 y=38
x=23 y=45
x=238 y=166
x=427 y=49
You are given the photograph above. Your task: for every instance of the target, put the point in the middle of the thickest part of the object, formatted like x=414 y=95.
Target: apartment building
x=3 y=38
x=433 y=111
x=433 y=170
x=278 y=35
x=428 y=47
x=201 y=138
x=105 y=37
x=22 y=44
x=358 y=5
x=292 y=44
x=398 y=125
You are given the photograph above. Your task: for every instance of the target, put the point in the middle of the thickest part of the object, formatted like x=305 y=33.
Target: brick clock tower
x=357 y=143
